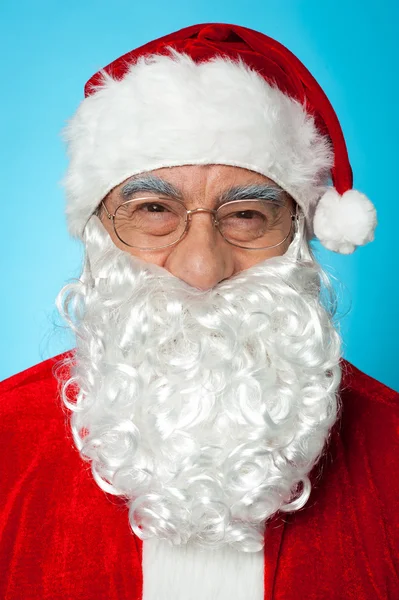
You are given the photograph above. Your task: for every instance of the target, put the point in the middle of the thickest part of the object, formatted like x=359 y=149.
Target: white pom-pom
x=344 y=222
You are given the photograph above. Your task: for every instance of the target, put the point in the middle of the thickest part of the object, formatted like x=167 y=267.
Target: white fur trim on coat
x=187 y=572
x=169 y=110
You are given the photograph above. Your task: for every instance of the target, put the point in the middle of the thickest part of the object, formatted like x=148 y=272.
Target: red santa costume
x=230 y=452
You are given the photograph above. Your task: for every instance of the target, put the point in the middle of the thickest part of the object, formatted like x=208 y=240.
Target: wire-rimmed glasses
x=152 y=223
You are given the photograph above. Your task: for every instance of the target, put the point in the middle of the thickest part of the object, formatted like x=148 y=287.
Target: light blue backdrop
x=49 y=50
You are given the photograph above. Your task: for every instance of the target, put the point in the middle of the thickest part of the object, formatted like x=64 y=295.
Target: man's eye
x=152 y=207
x=246 y=214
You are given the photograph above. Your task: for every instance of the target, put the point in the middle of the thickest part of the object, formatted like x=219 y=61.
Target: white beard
x=207 y=410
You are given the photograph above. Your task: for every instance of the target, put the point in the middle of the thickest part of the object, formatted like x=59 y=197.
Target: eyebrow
x=149 y=183
x=156 y=185
x=260 y=191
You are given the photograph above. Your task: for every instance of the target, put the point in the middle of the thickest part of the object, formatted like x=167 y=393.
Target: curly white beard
x=207 y=410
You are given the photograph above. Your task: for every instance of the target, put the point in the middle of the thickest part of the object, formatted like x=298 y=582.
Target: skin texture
x=202 y=258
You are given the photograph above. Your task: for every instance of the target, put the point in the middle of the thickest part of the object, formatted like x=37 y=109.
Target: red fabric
x=271 y=59
x=62 y=537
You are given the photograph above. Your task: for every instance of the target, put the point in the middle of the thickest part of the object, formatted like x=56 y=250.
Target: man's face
x=207 y=375
x=203 y=258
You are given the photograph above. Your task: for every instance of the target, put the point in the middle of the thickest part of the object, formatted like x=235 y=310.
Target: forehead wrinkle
x=149 y=183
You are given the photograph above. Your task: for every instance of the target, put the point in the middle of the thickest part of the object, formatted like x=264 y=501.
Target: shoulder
x=50 y=505
x=370 y=409
x=357 y=386
x=32 y=389
x=368 y=432
x=41 y=373
x=33 y=420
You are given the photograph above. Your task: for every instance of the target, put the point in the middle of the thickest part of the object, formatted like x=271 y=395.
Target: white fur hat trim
x=170 y=110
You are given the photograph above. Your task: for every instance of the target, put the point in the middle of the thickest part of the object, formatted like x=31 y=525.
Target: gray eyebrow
x=149 y=183
x=156 y=185
x=260 y=191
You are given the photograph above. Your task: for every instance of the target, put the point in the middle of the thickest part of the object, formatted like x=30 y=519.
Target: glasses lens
x=254 y=223
x=150 y=222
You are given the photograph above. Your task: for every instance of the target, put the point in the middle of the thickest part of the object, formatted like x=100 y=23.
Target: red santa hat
x=216 y=94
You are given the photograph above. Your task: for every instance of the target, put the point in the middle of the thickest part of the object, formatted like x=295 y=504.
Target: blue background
x=49 y=50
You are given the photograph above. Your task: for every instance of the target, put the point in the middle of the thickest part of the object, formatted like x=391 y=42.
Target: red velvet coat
x=62 y=537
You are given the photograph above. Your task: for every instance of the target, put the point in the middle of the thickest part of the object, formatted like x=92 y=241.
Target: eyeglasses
x=152 y=223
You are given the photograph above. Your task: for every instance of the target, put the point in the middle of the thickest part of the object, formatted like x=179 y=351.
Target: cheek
x=245 y=261
x=156 y=258
x=246 y=258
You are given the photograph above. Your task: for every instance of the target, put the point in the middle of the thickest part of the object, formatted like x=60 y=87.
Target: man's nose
x=202 y=258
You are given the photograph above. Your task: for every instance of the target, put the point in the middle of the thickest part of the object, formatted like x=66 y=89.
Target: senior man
x=233 y=453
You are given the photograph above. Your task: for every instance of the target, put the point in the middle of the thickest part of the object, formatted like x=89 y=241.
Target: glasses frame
x=294 y=221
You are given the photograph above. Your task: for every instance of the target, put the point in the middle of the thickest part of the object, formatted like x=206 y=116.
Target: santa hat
x=216 y=94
